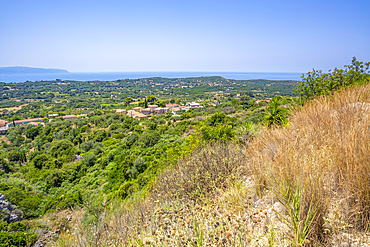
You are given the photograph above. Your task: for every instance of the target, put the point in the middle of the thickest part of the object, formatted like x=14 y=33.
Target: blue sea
x=112 y=76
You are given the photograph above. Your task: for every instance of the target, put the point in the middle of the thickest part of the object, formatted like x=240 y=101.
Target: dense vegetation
x=180 y=179
x=74 y=163
x=38 y=99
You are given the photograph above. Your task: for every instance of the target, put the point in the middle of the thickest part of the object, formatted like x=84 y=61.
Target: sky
x=177 y=35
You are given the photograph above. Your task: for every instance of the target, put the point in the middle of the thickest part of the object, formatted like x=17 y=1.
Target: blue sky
x=201 y=35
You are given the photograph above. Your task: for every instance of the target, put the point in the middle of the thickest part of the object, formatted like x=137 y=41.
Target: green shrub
x=62 y=201
x=317 y=83
x=3 y=226
x=17 y=226
x=17 y=239
x=16 y=156
x=61 y=148
x=89 y=160
x=149 y=139
x=87 y=146
x=40 y=160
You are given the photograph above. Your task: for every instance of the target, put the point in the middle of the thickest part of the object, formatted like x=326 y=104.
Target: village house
x=69 y=116
x=259 y=101
x=131 y=113
x=193 y=105
x=53 y=115
x=175 y=110
x=3 y=127
x=140 y=116
x=172 y=105
x=146 y=111
x=184 y=108
x=161 y=111
x=138 y=109
x=152 y=107
x=136 y=115
x=121 y=111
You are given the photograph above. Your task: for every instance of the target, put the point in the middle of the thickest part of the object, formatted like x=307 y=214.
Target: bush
x=140 y=164
x=217 y=118
x=61 y=148
x=149 y=139
x=32 y=132
x=202 y=172
x=16 y=156
x=8 y=239
x=87 y=146
x=62 y=201
x=89 y=160
x=317 y=83
x=131 y=139
x=40 y=160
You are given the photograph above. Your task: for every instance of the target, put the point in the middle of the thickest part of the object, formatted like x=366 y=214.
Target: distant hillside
x=28 y=70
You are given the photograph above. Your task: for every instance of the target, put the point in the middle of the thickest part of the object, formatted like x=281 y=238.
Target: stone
x=8 y=212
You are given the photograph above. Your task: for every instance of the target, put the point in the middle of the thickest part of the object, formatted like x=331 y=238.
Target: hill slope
x=308 y=183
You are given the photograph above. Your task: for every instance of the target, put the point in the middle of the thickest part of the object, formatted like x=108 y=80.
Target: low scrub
x=205 y=170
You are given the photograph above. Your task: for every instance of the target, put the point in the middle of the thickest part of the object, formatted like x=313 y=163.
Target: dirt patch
x=15 y=108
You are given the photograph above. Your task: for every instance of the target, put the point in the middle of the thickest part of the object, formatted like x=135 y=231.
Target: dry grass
x=217 y=196
x=326 y=149
x=202 y=172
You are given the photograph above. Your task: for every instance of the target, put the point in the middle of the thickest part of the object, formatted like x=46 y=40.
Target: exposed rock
x=45 y=238
x=8 y=212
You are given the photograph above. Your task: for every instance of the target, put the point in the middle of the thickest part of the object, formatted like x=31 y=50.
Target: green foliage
x=89 y=160
x=295 y=217
x=32 y=132
x=40 y=160
x=131 y=139
x=128 y=100
x=217 y=132
x=149 y=139
x=125 y=189
x=151 y=99
x=152 y=125
x=87 y=146
x=17 y=226
x=217 y=118
x=61 y=148
x=317 y=83
x=84 y=129
x=160 y=103
x=17 y=156
x=15 y=239
x=140 y=164
x=62 y=201
x=187 y=115
x=276 y=113
x=25 y=198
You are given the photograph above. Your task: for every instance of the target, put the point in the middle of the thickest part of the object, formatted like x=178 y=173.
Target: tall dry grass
x=326 y=150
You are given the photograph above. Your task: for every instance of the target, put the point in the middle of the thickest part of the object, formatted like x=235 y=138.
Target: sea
x=112 y=76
